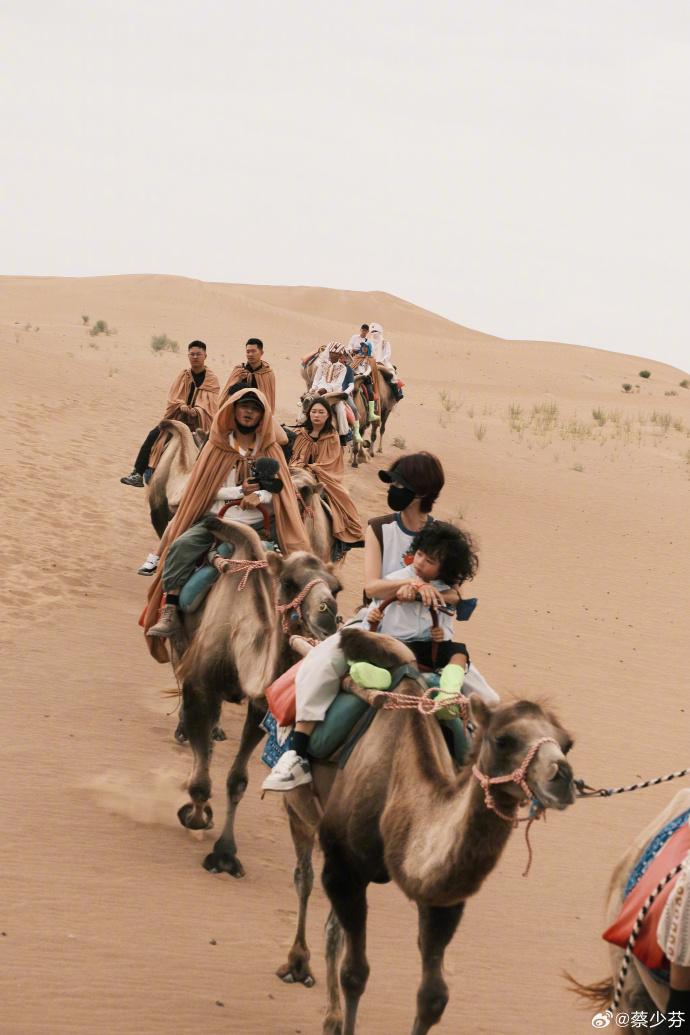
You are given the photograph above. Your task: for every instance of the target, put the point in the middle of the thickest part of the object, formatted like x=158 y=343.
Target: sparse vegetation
x=672 y=392
x=662 y=420
x=162 y=343
x=448 y=403
x=645 y=373
x=101 y=327
x=578 y=467
x=85 y=319
x=479 y=432
x=599 y=416
x=626 y=386
x=399 y=443
x=684 y=383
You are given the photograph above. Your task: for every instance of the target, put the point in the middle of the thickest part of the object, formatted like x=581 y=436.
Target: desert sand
x=578 y=493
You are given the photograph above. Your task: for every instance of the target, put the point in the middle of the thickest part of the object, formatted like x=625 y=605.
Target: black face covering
x=399 y=498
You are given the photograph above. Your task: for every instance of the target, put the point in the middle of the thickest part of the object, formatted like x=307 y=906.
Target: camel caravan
x=379 y=732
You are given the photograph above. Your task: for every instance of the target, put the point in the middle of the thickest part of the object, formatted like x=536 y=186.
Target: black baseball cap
x=395 y=476
x=251 y=397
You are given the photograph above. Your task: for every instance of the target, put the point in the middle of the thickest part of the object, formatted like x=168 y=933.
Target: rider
x=364 y=365
x=316 y=448
x=443 y=556
x=254 y=373
x=243 y=431
x=334 y=376
x=384 y=358
x=192 y=399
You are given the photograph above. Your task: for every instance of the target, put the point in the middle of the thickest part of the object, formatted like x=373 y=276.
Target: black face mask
x=399 y=499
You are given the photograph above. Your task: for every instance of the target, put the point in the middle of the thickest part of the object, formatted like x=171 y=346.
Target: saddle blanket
x=668 y=848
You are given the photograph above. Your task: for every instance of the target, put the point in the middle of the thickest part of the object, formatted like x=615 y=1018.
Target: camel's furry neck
x=441 y=841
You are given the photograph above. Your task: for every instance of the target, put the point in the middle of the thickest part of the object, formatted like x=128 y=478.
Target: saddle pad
x=661 y=855
x=195 y=588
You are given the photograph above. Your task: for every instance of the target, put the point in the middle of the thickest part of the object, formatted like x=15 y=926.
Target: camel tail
x=599 y=993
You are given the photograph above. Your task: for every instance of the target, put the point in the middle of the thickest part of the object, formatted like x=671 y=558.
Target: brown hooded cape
x=216 y=460
x=323 y=457
x=263 y=378
x=205 y=401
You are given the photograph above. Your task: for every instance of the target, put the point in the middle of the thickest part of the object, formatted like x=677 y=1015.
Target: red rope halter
x=518 y=776
x=296 y=604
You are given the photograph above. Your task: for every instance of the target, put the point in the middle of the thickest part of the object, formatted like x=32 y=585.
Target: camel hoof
x=188 y=819
x=222 y=862
x=332 y=1027
x=296 y=973
x=181 y=734
x=218 y=734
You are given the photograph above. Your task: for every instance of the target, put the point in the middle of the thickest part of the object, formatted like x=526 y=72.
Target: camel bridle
x=292 y=611
x=518 y=776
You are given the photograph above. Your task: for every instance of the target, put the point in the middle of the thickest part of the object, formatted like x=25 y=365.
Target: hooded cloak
x=262 y=378
x=323 y=457
x=205 y=401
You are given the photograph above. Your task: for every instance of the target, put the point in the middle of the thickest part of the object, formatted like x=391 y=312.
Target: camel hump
x=235 y=533
x=376 y=648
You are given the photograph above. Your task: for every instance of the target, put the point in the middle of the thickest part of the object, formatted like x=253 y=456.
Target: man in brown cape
x=243 y=430
x=255 y=373
x=193 y=399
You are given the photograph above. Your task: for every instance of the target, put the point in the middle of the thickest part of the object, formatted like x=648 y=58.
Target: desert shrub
x=672 y=392
x=684 y=383
x=101 y=327
x=85 y=319
x=626 y=387
x=599 y=416
x=162 y=343
x=479 y=431
x=645 y=373
x=662 y=420
x=447 y=402
x=399 y=443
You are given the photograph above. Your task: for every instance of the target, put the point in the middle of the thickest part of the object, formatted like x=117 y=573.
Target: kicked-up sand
x=578 y=493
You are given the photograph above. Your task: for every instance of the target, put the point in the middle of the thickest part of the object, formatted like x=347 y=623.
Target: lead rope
x=585 y=791
x=635 y=933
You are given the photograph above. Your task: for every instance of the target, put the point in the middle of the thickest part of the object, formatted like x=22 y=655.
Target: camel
x=315 y=514
x=234 y=646
x=400 y=810
x=641 y=991
x=387 y=403
x=167 y=482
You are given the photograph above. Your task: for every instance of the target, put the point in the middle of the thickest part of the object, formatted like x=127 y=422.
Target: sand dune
x=578 y=493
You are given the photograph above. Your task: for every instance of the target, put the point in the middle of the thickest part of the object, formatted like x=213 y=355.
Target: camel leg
x=296 y=970
x=437 y=925
x=201 y=713
x=223 y=858
x=348 y=897
x=333 y=1021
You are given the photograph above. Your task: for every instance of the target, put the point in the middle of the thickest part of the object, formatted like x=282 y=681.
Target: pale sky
x=521 y=167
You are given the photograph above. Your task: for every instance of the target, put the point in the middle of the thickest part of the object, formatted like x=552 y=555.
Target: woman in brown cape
x=255 y=373
x=317 y=448
x=222 y=454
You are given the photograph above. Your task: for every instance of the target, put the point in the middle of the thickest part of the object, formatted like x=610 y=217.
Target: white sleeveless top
x=395 y=541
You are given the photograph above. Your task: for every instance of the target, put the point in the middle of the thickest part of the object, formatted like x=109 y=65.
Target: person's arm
x=229 y=492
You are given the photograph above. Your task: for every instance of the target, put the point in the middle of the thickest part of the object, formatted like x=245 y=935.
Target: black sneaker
x=133 y=479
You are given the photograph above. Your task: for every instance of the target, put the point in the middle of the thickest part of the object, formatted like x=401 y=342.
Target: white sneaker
x=289 y=771
x=149 y=566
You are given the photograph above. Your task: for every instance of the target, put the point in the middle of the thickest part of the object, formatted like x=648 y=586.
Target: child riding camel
x=443 y=556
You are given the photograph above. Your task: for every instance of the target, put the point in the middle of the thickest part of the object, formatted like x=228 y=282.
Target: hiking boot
x=168 y=624
x=289 y=771
x=149 y=566
x=133 y=479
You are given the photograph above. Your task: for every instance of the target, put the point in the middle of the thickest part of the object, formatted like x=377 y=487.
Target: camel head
x=508 y=731
x=316 y=615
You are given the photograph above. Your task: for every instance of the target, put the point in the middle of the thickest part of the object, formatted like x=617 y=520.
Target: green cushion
x=340 y=718
x=195 y=589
